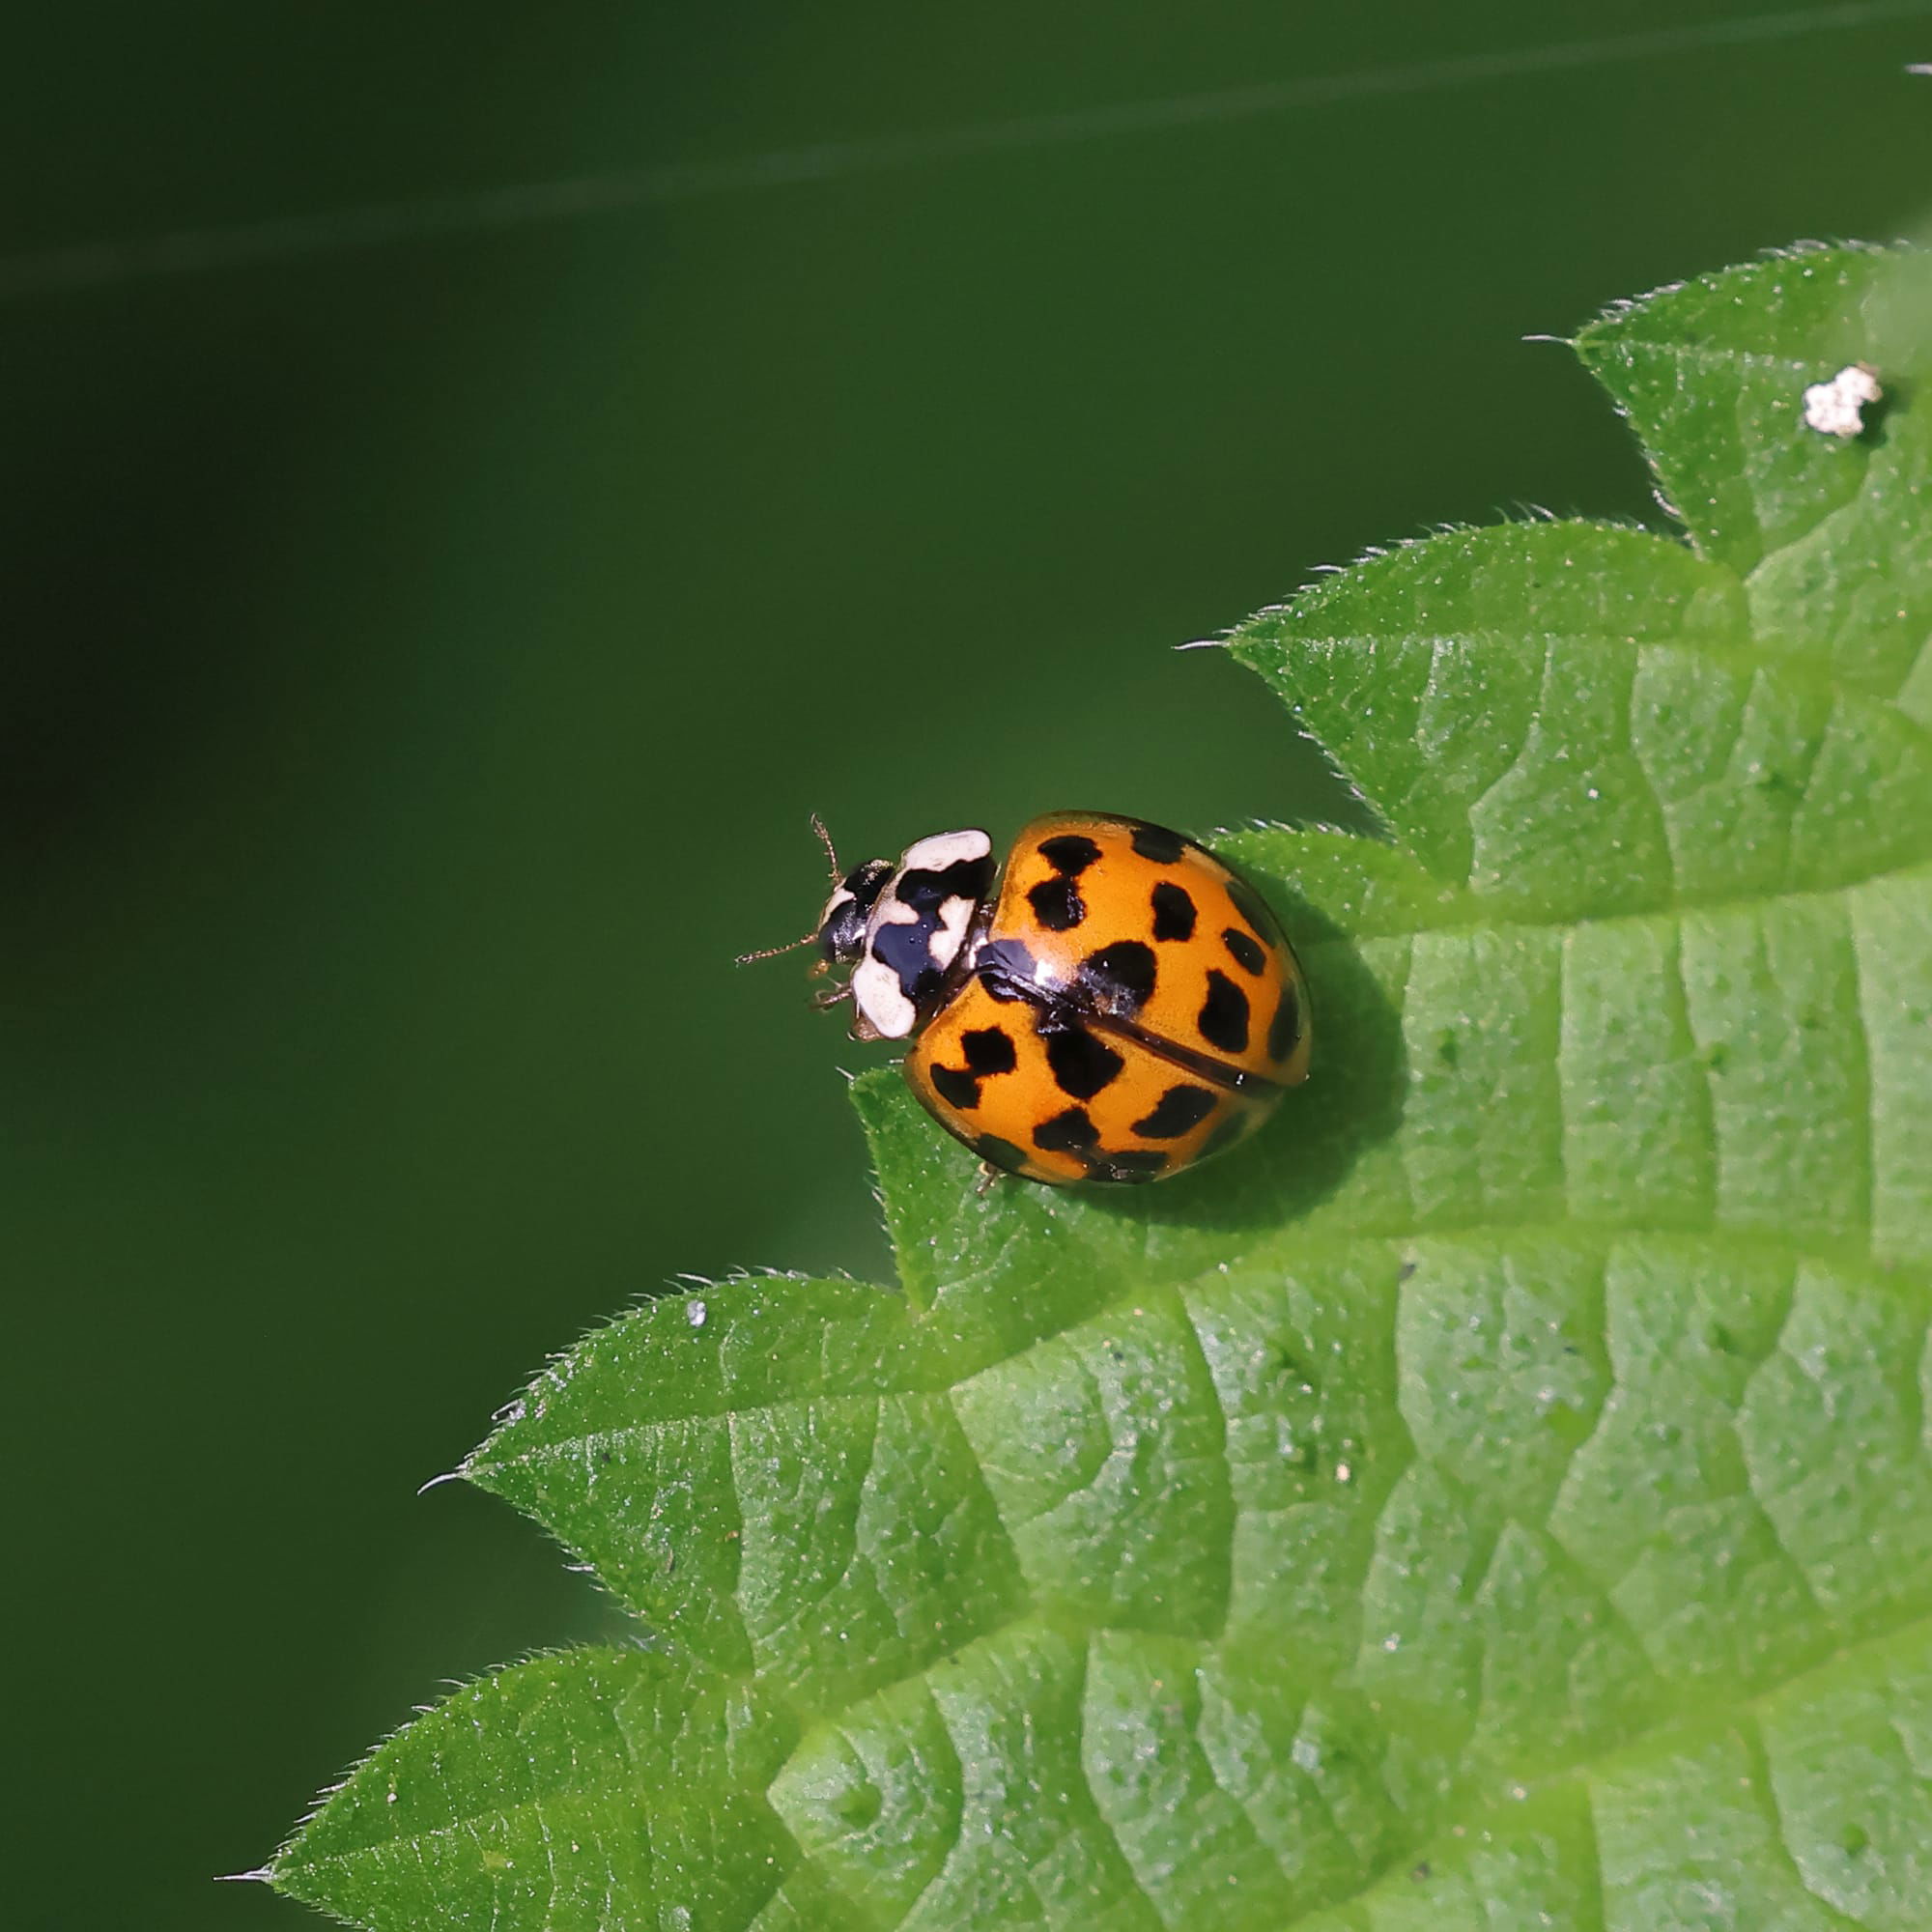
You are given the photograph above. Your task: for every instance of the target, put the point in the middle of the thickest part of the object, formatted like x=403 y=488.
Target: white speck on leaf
x=695 y=1312
x=1837 y=408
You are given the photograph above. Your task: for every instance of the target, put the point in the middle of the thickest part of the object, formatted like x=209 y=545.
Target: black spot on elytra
x=1173 y=912
x=955 y=1087
x=1223 y=1019
x=1118 y=978
x=1070 y=853
x=1057 y=904
x=1182 y=1109
x=1070 y=1133
x=1252 y=908
x=1159 y=843
x=1130 y=1164
x=1081 y=1063
x=1249 y=956
x=1002 y=1154
x=989 y=1050
x=1073 y=1133
x=1285 y=1029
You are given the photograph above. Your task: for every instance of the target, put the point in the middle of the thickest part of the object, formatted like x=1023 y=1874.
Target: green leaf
x=1501 y=1496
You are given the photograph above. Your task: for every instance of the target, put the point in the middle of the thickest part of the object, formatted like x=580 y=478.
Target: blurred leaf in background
x=379 y=821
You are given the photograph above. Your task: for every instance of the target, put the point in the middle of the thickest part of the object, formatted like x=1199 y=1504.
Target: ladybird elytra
x=1116 y=1004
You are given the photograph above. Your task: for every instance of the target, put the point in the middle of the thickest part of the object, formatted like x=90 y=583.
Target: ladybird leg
x=991 y=1178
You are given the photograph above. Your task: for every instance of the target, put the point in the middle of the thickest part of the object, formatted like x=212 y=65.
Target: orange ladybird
x=1122 y=1006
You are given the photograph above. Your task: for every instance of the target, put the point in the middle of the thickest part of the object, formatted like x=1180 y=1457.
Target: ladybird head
x=841 y=926
x=839 y=936
x=898 y=928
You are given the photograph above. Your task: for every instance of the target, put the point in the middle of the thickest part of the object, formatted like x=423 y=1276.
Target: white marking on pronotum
x=954 y=916
x=1837 y=408
x=875 y=992
x=944 y=849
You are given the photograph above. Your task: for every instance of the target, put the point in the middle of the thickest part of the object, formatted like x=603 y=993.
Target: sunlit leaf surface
x=1498 y=1496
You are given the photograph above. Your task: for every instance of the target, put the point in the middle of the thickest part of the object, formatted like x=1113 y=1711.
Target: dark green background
x=420 y=661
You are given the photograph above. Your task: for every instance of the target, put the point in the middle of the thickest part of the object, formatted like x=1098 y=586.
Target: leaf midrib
x=1497 y=915
x=1750 y=657
x=1610 y=342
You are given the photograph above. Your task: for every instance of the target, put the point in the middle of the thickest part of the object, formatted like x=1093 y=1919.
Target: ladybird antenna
x=804 y=939
x=831 y=850
x=774 y=951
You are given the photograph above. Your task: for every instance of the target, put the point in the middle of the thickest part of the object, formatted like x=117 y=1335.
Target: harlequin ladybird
x=1121 y=1006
